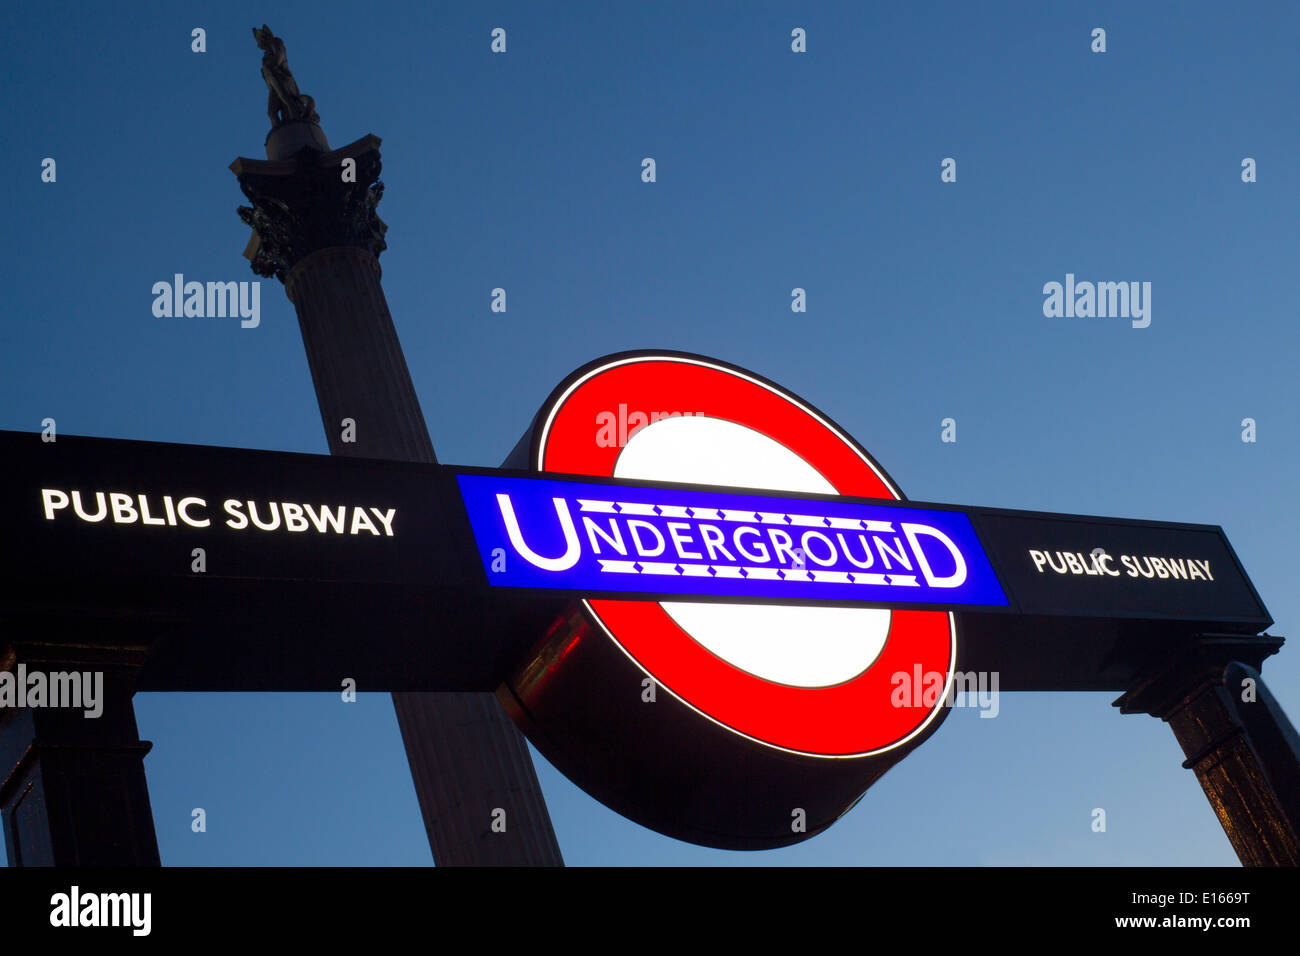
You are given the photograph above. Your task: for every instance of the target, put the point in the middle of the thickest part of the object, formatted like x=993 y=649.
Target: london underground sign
x=790 y=702
x=696 y=594
x=582 y=536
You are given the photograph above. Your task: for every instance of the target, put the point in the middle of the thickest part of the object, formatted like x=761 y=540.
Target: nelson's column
x=315 y=228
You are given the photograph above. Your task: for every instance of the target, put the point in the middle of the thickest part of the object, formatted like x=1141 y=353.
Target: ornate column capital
x=313 y=201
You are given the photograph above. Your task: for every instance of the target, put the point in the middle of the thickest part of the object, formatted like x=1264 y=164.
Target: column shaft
x=467 y=759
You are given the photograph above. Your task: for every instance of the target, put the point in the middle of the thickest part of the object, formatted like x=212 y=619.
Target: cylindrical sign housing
x=732 y=725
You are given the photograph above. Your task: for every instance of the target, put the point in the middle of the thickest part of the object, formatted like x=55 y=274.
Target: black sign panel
x=250 y=570
x=85 y=507
x=1098 y=601
x=1106 y=567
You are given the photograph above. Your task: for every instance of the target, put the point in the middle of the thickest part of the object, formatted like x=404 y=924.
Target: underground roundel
x=785 y=689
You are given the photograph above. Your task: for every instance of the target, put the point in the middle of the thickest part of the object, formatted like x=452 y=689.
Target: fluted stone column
x=321 y=236
x=338 y=297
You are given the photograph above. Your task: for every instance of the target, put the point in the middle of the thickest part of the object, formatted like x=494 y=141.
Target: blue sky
x=775 y=170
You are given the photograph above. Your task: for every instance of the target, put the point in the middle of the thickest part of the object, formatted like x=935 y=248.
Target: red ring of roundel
x=854 y=718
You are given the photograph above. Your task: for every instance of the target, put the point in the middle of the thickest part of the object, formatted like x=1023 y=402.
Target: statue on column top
x=284 y=104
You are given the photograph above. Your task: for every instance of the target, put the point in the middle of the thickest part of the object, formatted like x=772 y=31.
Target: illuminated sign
x=792 y=701
x=702 y=601
x=1114 y=568
x=808 y=680
x=583 y=536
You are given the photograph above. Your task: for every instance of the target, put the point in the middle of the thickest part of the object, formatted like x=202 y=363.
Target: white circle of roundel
x=787 y=644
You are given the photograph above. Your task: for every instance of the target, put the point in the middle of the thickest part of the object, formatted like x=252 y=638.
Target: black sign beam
x=226 y=569
x=252 y=570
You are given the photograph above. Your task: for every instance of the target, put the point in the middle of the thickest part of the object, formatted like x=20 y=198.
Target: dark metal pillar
x=72 y=787
x=1237 y=740
x=321 y=236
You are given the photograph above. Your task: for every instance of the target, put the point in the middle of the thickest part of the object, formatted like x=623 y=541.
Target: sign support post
x=72 y=788
x=316 y=229
x=1238 y=741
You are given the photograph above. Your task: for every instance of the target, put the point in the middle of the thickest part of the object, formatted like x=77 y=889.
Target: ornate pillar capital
x=315 y=200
